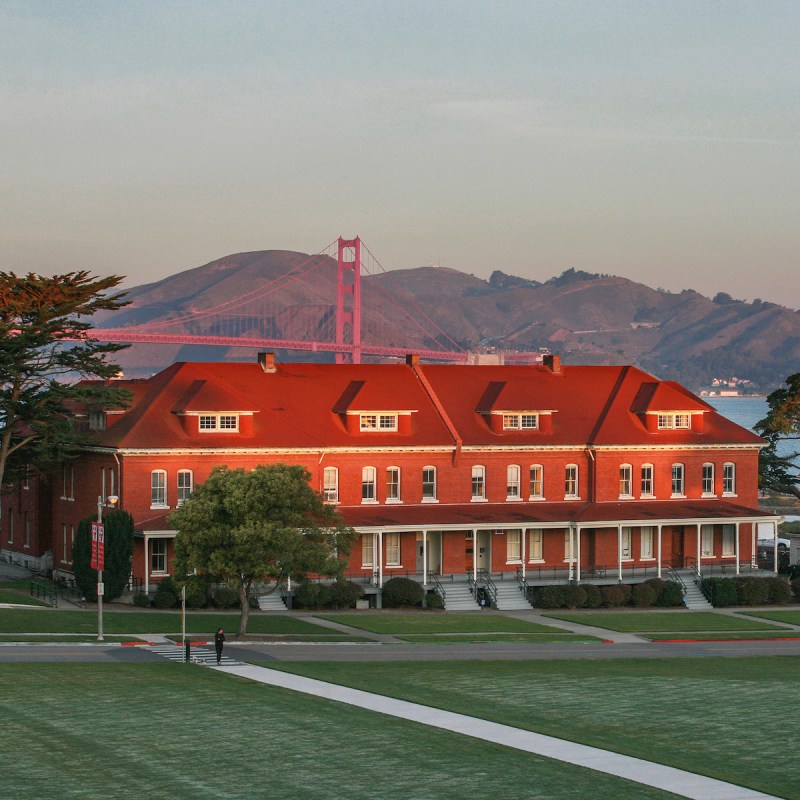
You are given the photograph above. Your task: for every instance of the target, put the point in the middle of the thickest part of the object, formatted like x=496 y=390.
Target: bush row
x=654 y=592
x=198 y=595
x=341 y=594
x=751 y=591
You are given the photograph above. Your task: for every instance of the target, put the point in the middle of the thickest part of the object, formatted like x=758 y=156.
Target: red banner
x=98 y=546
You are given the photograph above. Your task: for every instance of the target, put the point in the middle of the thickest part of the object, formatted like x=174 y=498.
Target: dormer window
x=378 y=422
x=516 y=422
x=670 y=421
x=97 y=420
x=210 y=423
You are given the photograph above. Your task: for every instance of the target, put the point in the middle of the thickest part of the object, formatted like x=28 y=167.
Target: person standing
x=219 y=640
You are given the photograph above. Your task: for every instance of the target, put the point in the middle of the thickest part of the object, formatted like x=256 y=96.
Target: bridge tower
x=348 y=301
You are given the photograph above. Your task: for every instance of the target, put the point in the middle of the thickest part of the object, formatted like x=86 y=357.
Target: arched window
x=393 y=484
x=647 y=480
x=677 y=480
x=428 y=484
x=625 y=480
x=330 y=484
x=368 y=485
x=729 y=478
x=512 y=482
x=536 y=482
x=185 y=485
x=478 y=482
x=158 y=488
x=571 y=481
x=708 y=480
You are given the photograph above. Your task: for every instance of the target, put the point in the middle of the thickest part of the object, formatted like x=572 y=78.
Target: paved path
x=679 y=782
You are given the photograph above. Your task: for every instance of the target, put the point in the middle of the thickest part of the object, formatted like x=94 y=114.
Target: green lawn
x=18 y=598
x=663 y=621
x=427 y=622
x=56 y=637
x=792 y=617
x=776 y=634
x=24 y=620
x=460 y=638
x=181 y=732
x=707 y=715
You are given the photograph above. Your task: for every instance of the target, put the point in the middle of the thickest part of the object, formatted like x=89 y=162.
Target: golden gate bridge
x=294 y=311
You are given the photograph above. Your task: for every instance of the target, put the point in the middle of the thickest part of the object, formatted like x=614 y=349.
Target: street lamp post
x=112 y=499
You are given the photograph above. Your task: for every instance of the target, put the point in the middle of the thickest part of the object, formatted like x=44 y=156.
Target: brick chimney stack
x=412 y=359
x=267 y=362
x=553 y=362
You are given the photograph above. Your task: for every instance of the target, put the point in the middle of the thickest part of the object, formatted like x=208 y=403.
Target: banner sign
x=98 y=546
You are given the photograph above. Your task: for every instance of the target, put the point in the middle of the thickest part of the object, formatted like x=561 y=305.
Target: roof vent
x=267 y=362
x=553 y=362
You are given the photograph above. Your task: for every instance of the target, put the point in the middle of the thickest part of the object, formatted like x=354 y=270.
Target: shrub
x=643 y=595
x=401 y=592
x=613 y=596
x=226 y=597
x=573 y=596
x=627 y=593
x=313 y=595
x=434 y=600
x=751 y=591
x=723 y=592
x=196 y=592
x=657 y=584
x=345 y=593
x=549 y=597
x=779 y=591
x=142 y=600
x=671 y=595
x=594 y=598
x=166 y=596
x=796 y=588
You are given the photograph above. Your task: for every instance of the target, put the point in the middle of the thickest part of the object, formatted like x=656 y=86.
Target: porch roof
x=510 y=515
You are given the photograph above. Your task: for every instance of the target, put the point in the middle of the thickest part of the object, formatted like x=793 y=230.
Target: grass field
x=460 y=638
x=707 y=715
x=23 y=620
x=652 y=621
x=181 y=732
x=426 y=622
x=19 y=598
x=777 y=634
x=791 y=617
x=57 y=637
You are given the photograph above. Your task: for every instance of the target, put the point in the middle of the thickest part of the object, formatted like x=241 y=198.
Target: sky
x=653 y=140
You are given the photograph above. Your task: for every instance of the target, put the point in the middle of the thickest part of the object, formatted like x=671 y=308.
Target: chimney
x=553 y=362
x=267 y=362
x=412 y=359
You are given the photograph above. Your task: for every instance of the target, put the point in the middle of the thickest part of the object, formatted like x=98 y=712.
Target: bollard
x=187 y=656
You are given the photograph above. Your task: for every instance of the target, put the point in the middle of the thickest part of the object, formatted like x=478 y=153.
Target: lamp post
x=112 y=499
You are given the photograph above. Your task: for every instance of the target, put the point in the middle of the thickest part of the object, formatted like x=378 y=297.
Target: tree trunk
x=244 y=601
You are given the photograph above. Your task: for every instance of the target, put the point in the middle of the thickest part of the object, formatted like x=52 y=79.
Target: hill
x=588 y=319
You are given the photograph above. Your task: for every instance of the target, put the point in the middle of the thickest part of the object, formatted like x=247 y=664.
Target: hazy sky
x=654 y=140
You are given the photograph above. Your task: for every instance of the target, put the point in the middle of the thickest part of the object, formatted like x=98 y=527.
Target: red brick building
x=538 y=473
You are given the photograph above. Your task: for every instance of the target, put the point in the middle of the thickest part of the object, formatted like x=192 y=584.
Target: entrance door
x=420 y=554
x=483 y=544
x=588 y=547
x=677 y=548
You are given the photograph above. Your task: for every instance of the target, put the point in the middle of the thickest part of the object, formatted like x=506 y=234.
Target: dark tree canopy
x=258 y=526
x=780 y=472
x=44 y=351
x=118 y=527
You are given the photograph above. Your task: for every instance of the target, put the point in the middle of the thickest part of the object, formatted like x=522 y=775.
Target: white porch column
x=571 y=551
x=775 y=529
x=699 y=572
x=578 y=553
x=380 y=559
x=736 y=547
x=474 y=554
x=659 y=549
x=619 y=551
x=753 y=554
x=424 y=558
x=524 y=534
x=146 y=564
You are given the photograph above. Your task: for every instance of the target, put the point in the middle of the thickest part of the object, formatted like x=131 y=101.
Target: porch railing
x=489 y=586
x=434 y=581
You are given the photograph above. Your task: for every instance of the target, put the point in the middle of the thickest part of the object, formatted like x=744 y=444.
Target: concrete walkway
x=679 y=782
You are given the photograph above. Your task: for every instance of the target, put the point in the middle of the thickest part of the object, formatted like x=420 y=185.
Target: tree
x=118 y=529
x=258 y=526
x=45 y=347
x=780 y=472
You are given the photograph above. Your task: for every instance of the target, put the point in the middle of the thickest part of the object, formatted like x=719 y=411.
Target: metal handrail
x=489 y=585
x=45 y=592
x=437 y=586
x=522 y=582
x=473 y=586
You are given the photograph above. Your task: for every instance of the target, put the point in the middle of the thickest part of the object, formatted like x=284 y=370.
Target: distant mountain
x=588 y=319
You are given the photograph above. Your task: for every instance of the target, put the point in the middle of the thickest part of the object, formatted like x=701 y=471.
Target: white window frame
x=647 y=484
x=330 y=484
x=627 y=543
x=512 y=482
x=670 y=421
x=27 y=543
x=218 y=423
x=367 y=550
x=161 y=556
x=393 y=485
x=514 y=547
x=536 y=482
x=571 y=485
x=184 y=492
x=429 y=486
x=535 y=546
x=68 y=479
x=678 y=480
x=369 y=485
x=371 y=423
x=729 y=479
x=391 y=543
x=706 y=541
x=520 y=422
x=729 y=540
x=646 y=539
x=707 y=485
x=625 y=480
x=158 y=489
x=478 y=483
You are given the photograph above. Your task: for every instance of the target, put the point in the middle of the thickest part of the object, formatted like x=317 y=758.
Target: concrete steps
x=695 y=599
x=458 y=597
x=510 y=598
x=271 y=602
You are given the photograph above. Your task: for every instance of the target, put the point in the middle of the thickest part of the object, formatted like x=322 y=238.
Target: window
x=708 y=479
x=627 y=552
x=571 y=481
x=626 y=480
x=158 y=488
x=512 y=482
x=515 y=422
x=26 y=478
x=185 y=479
x=27 y=531
x=706 y=541
x=536 y=482
x=393 y=485
x=330 y=484
x=64 y=543
x=567 y=539
x=368 y=483
x=392 y=549
x=478 y=482
x=535 y=537
x=729 y=479
x=677 y=480
x=97 y=420
x=158 y=556
x=367 y=550
x=11 y=526
x=428 y=484
x=68 y=479
x=674 y=421
x=647 y=541
x=513 y=547
x=378 y=422
x=728 y=540
x=647 y=480
x=219 y=422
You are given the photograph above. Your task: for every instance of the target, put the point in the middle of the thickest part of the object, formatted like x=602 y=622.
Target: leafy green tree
x=118 y=528
x=258 y=526
x=780 y=472
x=44 y=347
